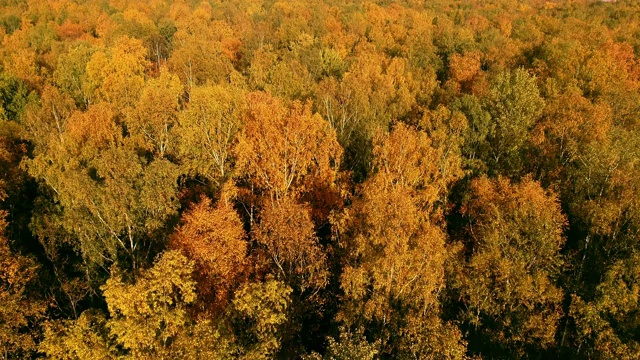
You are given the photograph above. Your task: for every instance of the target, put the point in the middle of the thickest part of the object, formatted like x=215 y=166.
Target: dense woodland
x=260 y=179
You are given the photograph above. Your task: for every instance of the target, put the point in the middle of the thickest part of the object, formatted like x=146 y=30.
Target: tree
x=208 y=128
x=515 y=105
x=282 y=150
x=198 y=55
x=289 y=155
x=14 y=96
x=465 y=69
x=349 y=345
x=46 y=122
x=287 y=233
x=116 y=74
x=214 y=238
x=147 y=316
x=564 y=144
x=264 y=306
x=20 y=57
x=21 y=307
x=599 y=193
x=476 y=147
x=71 y=73
x=607 y=326
x=155 y=116
x=508 y=283
x=110 y=200
x=394 y=247
x=609 y=69
x=286 y=78
x=374 y=92
x=84 y=338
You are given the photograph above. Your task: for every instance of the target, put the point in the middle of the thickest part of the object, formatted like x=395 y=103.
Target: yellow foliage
x=517 y=232
x=208 y=127
x=148 y=315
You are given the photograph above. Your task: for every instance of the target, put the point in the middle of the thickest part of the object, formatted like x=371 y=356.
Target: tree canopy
x=288 y=179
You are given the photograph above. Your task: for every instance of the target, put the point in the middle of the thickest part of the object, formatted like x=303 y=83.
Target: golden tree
x=395 y=247
x=508 y=283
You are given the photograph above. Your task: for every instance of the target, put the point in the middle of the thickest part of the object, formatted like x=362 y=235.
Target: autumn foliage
x=360 y=179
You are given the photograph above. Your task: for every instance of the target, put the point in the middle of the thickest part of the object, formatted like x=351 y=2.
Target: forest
x=320 y=180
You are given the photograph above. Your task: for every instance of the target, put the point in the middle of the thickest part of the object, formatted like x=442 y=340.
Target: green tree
x=14 y=96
